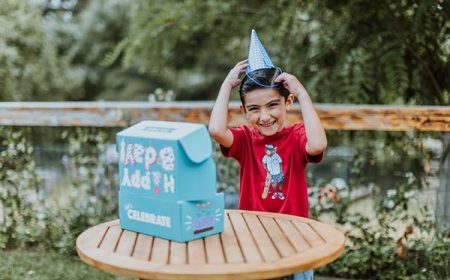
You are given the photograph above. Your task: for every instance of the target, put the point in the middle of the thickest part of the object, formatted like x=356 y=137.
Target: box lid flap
x=197 y=145
x=161 y=129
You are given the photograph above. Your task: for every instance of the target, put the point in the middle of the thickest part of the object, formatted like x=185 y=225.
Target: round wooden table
x=253 y=245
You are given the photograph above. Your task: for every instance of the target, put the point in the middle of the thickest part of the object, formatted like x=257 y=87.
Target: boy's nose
x=265 y=116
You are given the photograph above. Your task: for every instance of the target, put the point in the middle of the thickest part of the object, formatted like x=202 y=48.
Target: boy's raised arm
x=315 y=133
x=218 y=122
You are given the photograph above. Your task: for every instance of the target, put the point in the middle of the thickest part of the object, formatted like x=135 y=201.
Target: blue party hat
x=257 y=55
x=259 y=59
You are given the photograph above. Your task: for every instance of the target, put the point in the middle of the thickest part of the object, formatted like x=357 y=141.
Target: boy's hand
x=291 y=83
x=232 y=78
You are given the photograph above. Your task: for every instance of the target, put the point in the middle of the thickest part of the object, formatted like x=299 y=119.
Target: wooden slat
x=326 y=233
x=384 y=117
x=119 y=114
x=263 y=241
x=278 y=238
x=143 y=247
x=111 y=239
x=94 y=238
x=293 y=235
x=187 y=262
x=246 y=241
x=309 y=234
x=232 y=250
x=160 y=251
x=196 y=251
x=178 y=253
x=126 y=243
x=214 y=249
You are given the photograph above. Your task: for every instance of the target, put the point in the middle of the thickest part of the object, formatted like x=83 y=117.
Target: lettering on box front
x=147 y=217
x=145 y=173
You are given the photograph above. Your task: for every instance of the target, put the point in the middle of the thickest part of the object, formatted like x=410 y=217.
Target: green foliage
x=54 y=223
x=160 y=95
x=400 y=241
x=32 y=68
x=398 y=238
x=190 y=45
x=87 y=200
x=348 y=51
x=48 y=55
x=17 y=189
x=227 y=172
x=394 y=50
x=373 y=250
x=90 y=36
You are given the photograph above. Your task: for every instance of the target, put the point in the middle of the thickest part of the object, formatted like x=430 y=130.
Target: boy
x=269 y=152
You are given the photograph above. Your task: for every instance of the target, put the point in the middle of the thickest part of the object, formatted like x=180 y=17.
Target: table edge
x=253 y=271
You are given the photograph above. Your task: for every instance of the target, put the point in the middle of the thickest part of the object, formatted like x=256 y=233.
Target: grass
x=15 y=265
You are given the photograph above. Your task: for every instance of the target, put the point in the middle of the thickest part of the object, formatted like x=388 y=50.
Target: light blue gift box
x=167 y=160
x=169 y=219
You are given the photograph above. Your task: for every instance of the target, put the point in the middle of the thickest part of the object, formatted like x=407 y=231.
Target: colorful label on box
x=137 y=161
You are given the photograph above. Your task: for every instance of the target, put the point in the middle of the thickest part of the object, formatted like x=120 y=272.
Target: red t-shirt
x=272 y=169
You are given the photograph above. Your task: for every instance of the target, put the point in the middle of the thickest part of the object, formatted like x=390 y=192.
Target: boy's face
x=266 y=109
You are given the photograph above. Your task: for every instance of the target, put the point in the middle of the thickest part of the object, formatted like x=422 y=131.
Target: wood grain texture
x=121 y=114
x=143 y=247
x=214 y=250
x=253 y=245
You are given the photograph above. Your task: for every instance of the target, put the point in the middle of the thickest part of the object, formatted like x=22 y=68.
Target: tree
x=31 y=68
x=347 y=51
x=93 y=33
x=385 y=51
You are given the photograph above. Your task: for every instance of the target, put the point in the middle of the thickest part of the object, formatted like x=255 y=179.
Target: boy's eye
x=253 y=109
x=273 y=105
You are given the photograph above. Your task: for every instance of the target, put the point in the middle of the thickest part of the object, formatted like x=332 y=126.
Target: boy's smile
x=265 y=109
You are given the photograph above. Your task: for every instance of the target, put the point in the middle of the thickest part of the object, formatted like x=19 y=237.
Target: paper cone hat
x=257 y=55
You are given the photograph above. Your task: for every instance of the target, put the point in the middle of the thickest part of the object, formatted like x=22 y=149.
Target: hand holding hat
x=291 y=83
x=232 y=78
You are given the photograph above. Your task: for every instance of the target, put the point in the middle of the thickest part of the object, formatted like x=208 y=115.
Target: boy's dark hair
x=262 y=78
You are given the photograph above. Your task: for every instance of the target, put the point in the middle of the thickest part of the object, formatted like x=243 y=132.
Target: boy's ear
x=290 y=101
x=243 y=110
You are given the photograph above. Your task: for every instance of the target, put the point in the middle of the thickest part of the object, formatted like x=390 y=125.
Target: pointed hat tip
x=257 y=55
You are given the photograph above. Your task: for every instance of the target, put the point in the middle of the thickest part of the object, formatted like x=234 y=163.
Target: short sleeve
x=235 y=151
x=314 y=158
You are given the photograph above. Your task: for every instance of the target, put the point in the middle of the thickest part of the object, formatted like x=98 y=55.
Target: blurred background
x=380 y=187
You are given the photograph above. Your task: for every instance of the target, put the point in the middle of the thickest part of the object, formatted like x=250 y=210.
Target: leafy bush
x=398 y=243
x=17 y=182
x=53 y=223
x=400 y=239
x=227 y=172
x=87 y=200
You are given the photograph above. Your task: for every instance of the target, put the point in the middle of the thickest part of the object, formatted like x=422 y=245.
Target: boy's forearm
x=315 y=133
x=219 y=115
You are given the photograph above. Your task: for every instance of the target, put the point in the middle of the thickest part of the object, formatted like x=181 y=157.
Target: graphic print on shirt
x=273 y=165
